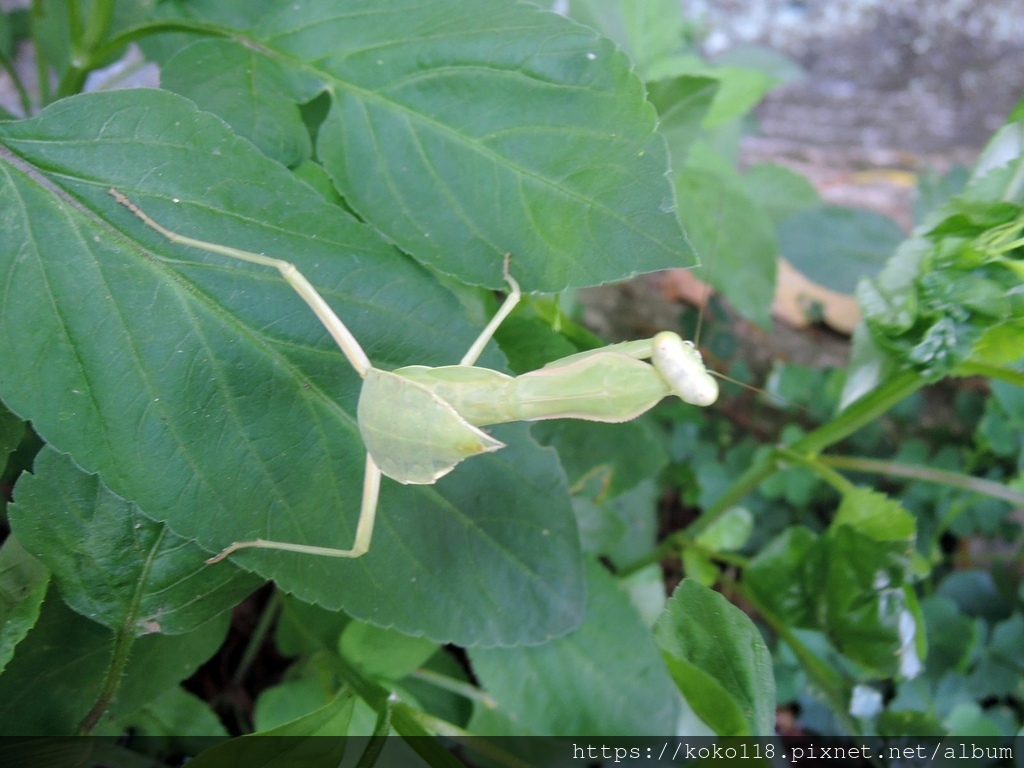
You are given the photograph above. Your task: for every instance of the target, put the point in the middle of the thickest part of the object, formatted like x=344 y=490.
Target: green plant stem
x=493 y=753
x=42 y=71
x=84 y=44
x=819 y=466
x=74 y=20
x=101 y=12
x=681 y=542
x=258 y=636
x=406 y=720
x=928 y=475
x=458 y=687
x=381 y=730
x=835 y=688
x=142 y=31
x=23 y=97
x=998 y=372
x=124 y=639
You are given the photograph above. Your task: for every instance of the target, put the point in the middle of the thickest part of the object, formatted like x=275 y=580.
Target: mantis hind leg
x=364 y=528
x=514 y=295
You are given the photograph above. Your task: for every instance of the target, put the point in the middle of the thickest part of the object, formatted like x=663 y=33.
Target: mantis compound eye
x=683 y=369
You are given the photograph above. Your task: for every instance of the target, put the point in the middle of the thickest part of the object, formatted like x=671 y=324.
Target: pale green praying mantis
x=418 y=423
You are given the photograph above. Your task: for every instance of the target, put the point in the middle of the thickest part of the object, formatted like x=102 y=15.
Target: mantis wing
x=414 y=436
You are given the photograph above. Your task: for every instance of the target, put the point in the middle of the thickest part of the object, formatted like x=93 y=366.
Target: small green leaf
x=952 y=637
x=305 y=629
x=23 y=584
x=530 y=343
x=258 y=96
x=908 y=723
x=329 y=720
x=784 y=577
x=1008 y=642
x=999 y=345
x=719 y=661
x=952 y=294
x=934 y=190
x=292 y=699
x=968 y=719
x=777 y=65
x=682 y=105
x=653 y=32
x=623 y=528
x=740 y=90
x=890 y=301
x=729 y=532
x=976 y=593
x=384 y=653
x=458 y=148
x=876 y=515
x=698 y=567
x=867 y=610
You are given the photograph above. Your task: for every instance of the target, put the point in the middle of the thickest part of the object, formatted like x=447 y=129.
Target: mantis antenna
x=705 y=300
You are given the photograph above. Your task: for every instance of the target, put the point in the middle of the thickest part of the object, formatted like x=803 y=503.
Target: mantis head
x=680 y=363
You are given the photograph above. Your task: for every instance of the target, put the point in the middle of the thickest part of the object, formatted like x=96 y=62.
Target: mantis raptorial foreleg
x=445 y=407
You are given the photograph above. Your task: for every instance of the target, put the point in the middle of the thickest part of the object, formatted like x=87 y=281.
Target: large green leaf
x=653 y=32
x=111 y=563
x=605 y=678
x=734 y=239
x=461 y=129
x=207 y=393
x=836 y=246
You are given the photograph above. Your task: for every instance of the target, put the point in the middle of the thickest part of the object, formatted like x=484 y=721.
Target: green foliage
x=726 y=673
x=953 y=294
x=168 y=402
